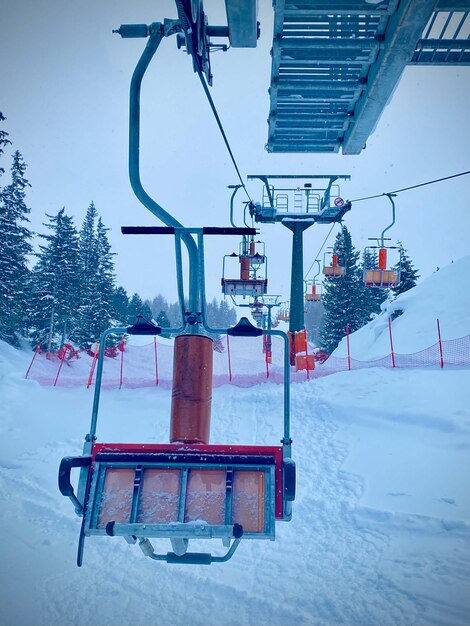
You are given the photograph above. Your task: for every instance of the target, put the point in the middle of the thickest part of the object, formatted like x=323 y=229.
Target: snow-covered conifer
x=14 y=250
x=4 y=141
x=138 y=307
x=120 y=306
x=408 y=274
x=342 y=295
x=54 y=284
x=96 y=269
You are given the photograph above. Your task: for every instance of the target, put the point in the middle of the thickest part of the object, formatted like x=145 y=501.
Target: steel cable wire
x=221 y=128
x=429 y=182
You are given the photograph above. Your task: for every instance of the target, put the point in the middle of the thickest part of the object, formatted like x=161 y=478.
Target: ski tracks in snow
x=330 y=570
x=333 y=564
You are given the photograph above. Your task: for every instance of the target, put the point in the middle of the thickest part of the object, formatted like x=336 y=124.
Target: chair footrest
x=189 y=530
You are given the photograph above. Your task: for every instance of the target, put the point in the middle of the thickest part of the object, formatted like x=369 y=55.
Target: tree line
x=70 y=293
x=346 y=301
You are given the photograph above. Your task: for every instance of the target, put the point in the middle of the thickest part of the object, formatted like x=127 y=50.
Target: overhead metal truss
x=336 y=64
x=446 y=40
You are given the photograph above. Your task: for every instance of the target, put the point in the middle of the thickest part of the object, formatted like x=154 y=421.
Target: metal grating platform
x=446 y=40
x=336 y=64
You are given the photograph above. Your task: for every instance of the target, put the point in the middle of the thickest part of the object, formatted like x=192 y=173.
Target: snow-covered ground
x=380 y=533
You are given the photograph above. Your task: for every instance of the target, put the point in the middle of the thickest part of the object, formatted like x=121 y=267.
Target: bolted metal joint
x=192 y=318
x=171 y=27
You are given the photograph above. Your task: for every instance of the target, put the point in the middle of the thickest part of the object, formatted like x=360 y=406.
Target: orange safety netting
x=239 y=361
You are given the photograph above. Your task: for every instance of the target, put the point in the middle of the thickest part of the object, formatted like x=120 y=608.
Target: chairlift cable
x=429 y=182
x=221 y=128
x=321 y=248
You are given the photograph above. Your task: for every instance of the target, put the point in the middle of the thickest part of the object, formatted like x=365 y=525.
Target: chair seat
x=175 y=490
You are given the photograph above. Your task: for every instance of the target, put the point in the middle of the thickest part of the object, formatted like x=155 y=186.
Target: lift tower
x=298 y=206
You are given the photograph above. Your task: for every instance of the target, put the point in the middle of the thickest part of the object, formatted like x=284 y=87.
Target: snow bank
x=381 y=523
x=442 y=296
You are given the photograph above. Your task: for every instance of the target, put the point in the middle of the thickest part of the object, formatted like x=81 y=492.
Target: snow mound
x=414 y=313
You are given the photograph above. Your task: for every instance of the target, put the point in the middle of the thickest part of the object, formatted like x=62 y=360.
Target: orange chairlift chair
x=188 y=488
x=312 y=291
x=252 y=281
x=312 y=286
x=331 y=265
x=381 y=275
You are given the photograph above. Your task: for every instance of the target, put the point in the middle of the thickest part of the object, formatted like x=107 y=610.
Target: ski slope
x=380 y=533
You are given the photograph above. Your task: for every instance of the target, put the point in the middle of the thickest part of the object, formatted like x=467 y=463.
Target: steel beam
x=404 y=30
x=242 y=23
x=452 y=5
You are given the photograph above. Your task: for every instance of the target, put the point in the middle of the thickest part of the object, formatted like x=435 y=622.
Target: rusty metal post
x=192 y=389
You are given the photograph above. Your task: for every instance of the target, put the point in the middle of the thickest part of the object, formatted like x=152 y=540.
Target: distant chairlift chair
x=381 y=276
x=332 y=269
x=253 y=268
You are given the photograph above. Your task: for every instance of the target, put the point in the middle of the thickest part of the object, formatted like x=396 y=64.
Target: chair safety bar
x=65 y=486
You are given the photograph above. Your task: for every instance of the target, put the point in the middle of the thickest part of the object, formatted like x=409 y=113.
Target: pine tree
x=174 y=315
x=158 y=304
x=315 y=312
x=86 y=331
x=4 y=141
x=162 y=320
x=220 y=315
x=227 y=315
x=14 y=251
x=96 y=271
x=408 y=274
x=138 y=307
x=212 y=314
x=120 y=306
x=342 y=295
x=54 y=285
x=104 y=280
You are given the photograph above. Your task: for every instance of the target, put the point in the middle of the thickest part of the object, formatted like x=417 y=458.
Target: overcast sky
x=64 y=90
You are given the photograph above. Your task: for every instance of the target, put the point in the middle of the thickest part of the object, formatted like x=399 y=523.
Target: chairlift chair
x=284 y=314
x=380 y=276
x=312 y=291
x=185 y=489
x=253 y=267
x=331 y=265
x=257 y=312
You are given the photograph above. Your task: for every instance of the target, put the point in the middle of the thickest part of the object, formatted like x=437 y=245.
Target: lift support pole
x=296 y=315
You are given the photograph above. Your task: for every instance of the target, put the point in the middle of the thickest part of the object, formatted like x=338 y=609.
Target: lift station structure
x=335 y=65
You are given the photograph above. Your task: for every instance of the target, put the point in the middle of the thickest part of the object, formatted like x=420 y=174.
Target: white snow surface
x=380 y=532
x=444 y=295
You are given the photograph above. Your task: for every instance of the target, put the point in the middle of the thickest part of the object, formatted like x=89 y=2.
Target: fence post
x=228 y=356
x=306 y=356
x=123 y=341
x=32 y=360
x=156 y=359
x=440 y=343
x=391 y=341
x=347 y=343
x=93 y=364
x=66 y=347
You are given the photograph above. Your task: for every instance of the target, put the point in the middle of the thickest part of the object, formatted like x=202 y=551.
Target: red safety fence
x=238 y=361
